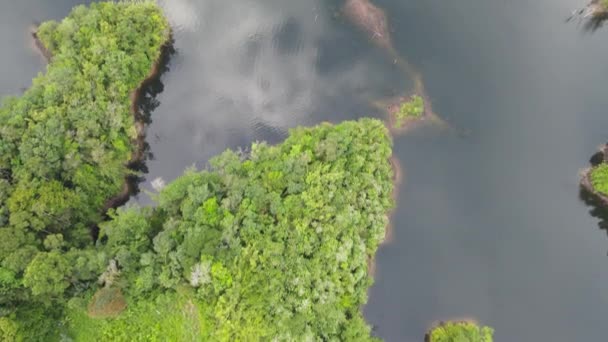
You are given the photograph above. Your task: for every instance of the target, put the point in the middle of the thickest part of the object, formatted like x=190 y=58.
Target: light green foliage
x=64 y=146
x=275 y=245
x=8 y=330
x=47 y=274
x=460 y=332
x=411 y=109
x=599 y=178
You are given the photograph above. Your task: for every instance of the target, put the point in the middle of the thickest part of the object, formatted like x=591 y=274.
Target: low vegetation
x=412 y=109
x=64 y=146
x=460 y=332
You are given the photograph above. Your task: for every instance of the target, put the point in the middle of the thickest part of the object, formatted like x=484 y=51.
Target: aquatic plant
x=460 y=332
x=412 y=109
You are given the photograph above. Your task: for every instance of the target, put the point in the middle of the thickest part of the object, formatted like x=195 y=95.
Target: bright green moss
x=460 y=332
x=599 y=178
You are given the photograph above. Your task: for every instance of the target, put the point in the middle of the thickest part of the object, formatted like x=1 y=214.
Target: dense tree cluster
x=273 y=245
x=64 y=146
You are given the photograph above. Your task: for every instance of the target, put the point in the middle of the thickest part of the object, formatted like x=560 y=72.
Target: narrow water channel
x=489 y=223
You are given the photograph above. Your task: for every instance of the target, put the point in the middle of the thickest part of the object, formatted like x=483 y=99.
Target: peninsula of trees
x=270 y=245
x=64 y=149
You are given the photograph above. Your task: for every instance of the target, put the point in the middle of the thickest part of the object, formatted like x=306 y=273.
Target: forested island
x=272 y=244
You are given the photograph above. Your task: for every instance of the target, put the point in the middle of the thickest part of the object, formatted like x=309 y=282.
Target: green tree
x=48 y=274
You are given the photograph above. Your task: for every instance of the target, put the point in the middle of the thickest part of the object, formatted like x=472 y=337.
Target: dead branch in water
x=592 y=16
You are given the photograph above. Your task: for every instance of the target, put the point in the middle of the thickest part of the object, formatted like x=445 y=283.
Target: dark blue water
x=489 y=224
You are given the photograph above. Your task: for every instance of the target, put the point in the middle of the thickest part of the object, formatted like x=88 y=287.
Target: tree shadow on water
x=146 y=103
x=599 y=209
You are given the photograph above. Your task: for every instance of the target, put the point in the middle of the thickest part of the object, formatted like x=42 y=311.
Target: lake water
x=489 y=224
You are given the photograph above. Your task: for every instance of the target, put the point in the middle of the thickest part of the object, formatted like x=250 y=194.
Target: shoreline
x=397 y=181
x=136 y=97
x=585 y=181
x=389 y=229
x=38 y=46
x=138 y=153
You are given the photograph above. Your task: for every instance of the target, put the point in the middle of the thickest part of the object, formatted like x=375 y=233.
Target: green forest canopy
x=64 y=146
x=270 y=245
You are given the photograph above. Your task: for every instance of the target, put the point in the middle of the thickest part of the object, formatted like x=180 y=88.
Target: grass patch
x=171 y=316
x=411 y=109
x=107 y=302
x=599 y=178
x=460 y=332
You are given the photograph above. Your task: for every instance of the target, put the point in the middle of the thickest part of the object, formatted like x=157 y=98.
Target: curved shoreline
x=397 y=181
x=136 y=97
x=389 y=229
x=138 y=153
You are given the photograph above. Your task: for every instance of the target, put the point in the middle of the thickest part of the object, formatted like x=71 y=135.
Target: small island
x=406 y=110
x=463 y=331
x=403 y=112
x=595 y=178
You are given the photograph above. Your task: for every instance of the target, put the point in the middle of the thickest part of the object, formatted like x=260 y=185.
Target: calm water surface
x=489 y=224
